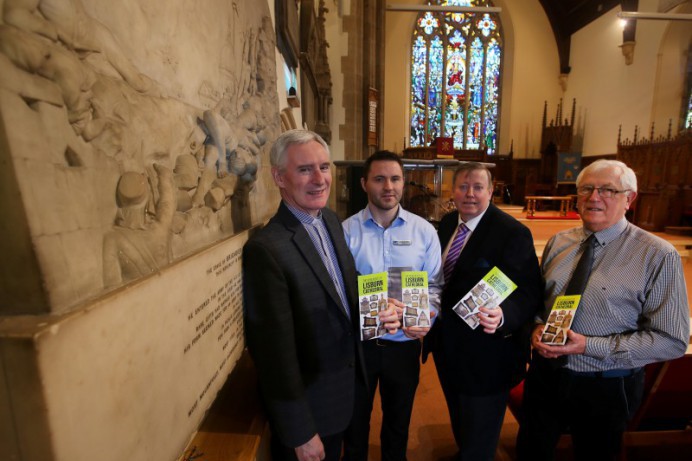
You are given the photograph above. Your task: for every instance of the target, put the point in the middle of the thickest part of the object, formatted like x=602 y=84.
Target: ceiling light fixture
x=661 y=16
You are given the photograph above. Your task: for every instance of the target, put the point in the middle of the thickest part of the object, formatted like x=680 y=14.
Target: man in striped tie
x=478 y=366
x=633 y=311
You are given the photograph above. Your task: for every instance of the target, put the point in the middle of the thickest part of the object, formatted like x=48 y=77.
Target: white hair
x=628 y=180
x=277 y=155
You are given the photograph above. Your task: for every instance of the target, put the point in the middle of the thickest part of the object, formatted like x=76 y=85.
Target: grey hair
x=628 y=180
x=277 y=155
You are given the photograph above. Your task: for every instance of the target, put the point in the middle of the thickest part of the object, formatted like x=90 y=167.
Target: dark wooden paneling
x=664 y=176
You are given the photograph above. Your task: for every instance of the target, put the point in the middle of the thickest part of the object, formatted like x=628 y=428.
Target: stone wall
x=134 y=140
x=132 y=134
x=129 y=376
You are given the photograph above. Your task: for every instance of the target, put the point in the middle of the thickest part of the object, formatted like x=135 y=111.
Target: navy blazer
x=478 y=363
x=305 y=347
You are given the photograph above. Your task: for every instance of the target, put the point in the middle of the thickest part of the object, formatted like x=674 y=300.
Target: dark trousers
x=332 y=448
x=395 y=366
x=595 y=410
x=476 y=419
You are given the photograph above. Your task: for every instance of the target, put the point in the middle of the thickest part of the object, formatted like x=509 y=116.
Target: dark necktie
x=581 y=273
x=454 y=251
x=577 y=284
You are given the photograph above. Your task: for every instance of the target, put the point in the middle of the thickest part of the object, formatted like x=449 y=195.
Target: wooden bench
x=681 y=243
x=678 y=230
x=234 y=428
x=565 y=203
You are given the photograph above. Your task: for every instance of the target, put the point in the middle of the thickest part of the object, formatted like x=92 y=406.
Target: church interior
x=134 y=145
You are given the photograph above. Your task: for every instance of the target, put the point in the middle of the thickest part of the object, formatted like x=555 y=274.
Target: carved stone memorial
x=134 y=141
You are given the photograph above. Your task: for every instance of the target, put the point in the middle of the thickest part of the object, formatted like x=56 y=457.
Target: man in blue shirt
x=385 y=237
x=299 y=299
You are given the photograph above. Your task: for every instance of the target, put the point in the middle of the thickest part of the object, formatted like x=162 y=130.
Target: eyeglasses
x=603 y=192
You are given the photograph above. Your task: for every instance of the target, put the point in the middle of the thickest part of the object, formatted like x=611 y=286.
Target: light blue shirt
x=409 y=242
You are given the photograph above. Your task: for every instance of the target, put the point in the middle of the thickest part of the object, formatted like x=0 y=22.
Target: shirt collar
x=303 y=217
x=401 y=215
x=606 y=236
x=473 y=222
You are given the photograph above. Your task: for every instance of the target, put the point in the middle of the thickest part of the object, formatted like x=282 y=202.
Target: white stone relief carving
x=67 y=21
x=136 y=89
x=140 y=240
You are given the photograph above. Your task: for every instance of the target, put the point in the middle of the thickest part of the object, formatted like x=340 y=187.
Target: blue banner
x=568 y=167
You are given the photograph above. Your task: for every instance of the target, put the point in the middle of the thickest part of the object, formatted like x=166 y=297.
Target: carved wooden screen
x=664 y=176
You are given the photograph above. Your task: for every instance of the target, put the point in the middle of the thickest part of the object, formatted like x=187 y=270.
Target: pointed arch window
x=455 y=77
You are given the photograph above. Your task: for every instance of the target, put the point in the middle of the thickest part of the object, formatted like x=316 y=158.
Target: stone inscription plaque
x=219 y=315
x=131 y=375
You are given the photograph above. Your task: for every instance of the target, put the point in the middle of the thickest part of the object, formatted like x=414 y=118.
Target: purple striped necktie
x=454 y=251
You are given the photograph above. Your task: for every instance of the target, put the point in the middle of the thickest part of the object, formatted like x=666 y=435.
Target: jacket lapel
x=470 y=252
x=302 y=240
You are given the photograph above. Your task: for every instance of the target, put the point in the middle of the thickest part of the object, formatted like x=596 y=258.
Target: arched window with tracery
x=455 y=77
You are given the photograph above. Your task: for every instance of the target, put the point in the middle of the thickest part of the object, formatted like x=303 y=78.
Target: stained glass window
x=687 y=103
x=456 y=61
x=688 y=119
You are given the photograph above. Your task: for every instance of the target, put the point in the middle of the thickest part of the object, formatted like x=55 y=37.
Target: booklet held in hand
x=489 y=292
x=372 y=296
x=414 y=295
x=560 y=320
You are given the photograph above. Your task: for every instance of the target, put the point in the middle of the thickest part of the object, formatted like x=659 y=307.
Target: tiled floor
x=430 y=436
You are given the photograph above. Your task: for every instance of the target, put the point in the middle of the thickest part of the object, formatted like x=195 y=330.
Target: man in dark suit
x=299 y=286
x=478 y=366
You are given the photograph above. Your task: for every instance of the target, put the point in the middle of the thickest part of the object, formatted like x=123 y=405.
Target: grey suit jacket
x=304 y=345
